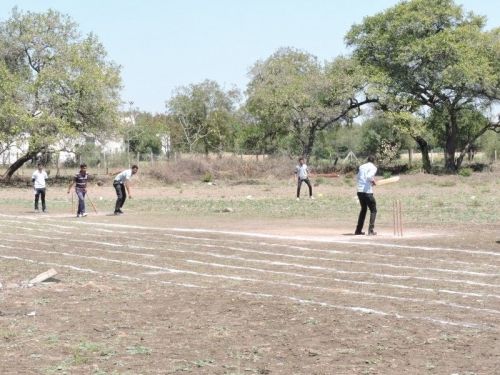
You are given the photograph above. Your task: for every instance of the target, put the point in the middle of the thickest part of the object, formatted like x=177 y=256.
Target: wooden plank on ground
x=43 y=276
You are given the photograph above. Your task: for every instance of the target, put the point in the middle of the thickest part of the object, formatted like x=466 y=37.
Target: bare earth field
x=271 y=286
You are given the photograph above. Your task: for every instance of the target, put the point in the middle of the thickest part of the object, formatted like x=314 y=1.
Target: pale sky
x=164 y=44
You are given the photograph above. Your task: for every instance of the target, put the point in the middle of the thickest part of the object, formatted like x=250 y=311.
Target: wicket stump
x=397 y=218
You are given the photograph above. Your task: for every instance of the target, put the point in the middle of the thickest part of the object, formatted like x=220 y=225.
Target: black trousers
x=366 y=200
x=308 y=183
x=40 y=193
x=121 y=195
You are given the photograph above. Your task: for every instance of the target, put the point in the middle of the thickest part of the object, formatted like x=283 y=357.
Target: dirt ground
x=245 y=292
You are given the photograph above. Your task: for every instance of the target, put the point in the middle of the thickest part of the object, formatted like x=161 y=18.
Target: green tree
x=204 y=113
x=146 y=135
x=11 y=111
x=291 y=93
x=65 y=85
x=430 y=53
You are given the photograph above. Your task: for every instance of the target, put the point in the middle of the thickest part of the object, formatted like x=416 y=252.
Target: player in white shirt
x=302 y=173
x=365 y=182
x=38 y=179
x=121 y=183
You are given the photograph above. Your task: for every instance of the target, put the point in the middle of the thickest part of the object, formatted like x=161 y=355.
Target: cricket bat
x=386 y=181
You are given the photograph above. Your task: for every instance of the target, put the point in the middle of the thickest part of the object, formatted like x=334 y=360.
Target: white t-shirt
x=301 y=171
x=365 y=177
x=124 y=176
x=39 y=178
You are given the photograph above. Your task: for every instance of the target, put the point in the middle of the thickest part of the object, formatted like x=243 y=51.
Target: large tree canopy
x=430 y=53
x=292 y=93
x=204 y=114
x=64 y=85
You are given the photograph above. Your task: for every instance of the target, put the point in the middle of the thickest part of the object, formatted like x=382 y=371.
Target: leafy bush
x=465 y=172
x=207 y=177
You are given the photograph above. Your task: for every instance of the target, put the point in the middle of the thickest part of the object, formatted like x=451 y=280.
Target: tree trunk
x=18 y=164
x=451 y=143
x=424 y=150
x=308 y=146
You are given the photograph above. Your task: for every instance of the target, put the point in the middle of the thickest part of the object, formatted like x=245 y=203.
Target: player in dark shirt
x=80 y=182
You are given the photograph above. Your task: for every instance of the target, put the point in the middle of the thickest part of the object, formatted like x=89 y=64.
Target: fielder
x=38 y=178
x=302 y=173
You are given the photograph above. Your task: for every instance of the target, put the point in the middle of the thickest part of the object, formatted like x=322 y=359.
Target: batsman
x=365 y=183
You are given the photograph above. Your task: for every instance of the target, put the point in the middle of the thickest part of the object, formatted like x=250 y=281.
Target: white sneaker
x=84 y=214
x=298 y=199
x=311 y=197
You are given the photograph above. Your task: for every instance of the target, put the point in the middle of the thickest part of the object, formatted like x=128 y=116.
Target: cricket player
x=121 y=185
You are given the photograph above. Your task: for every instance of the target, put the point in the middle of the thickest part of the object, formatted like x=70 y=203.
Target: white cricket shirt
x=365 y=177
x=39 y=178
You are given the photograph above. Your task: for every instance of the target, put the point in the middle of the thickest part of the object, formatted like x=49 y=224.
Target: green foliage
x=293 y=95
x=465 y=172
x=144 y=133
x=207 y=177
x=430 y=53
x=61 y=83
x=204 y=114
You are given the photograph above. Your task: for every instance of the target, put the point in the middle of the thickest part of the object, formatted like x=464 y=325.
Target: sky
x=165 y=44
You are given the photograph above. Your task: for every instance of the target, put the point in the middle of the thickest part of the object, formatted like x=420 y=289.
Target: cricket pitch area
x=140 y=294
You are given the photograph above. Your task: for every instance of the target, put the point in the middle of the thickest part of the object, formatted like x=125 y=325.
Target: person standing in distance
x=80 y=182
x=365 y=182
x=302 y=173
x=38 y=178
x=120 y=183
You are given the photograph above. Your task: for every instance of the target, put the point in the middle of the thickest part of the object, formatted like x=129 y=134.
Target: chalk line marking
x=254 y=280
x=388 y=265
x=357 y=309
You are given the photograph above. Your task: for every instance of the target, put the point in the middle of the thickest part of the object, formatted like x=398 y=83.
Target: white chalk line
x=349 y=253
x=389 y=265
x=280 y=237
x=254 y=280
x=357 y=309
x=217 y=255
x=349 y=281
x=376 y=295
x=312 y=239
x=312 y=249
x=232 y=257
x=146 y=255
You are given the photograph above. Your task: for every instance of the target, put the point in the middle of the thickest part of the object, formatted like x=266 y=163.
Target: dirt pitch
x=156 y=294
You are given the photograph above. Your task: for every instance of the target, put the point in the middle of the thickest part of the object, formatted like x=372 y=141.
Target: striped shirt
x=81 y=181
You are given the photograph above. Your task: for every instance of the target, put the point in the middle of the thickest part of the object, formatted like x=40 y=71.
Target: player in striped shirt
x=80 y=182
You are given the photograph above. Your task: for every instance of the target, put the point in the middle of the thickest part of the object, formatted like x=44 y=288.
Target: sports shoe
x=37 y=210
x=78 y=215
x=118 y=212
x=298 y=199
x=45 y=211
x=84 y=214
x=372 y=233
x=359 y=233
x=311 y=197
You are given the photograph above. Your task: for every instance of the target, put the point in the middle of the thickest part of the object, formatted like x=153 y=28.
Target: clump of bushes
x=465 y=172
